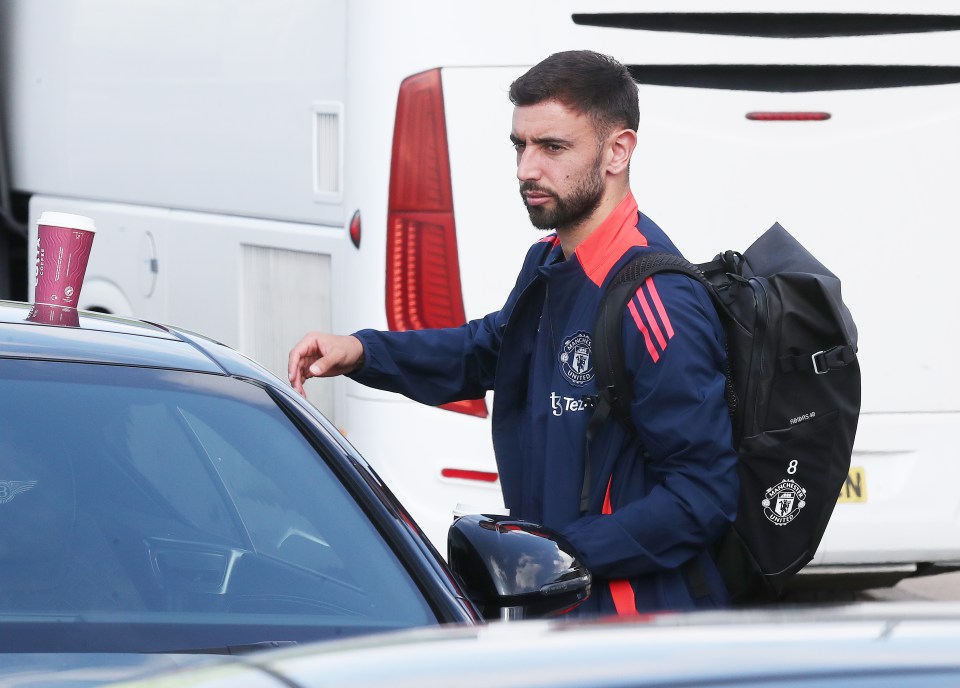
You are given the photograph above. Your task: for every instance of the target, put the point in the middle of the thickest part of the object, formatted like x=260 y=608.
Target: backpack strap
x=820 y=362
x=614 y=395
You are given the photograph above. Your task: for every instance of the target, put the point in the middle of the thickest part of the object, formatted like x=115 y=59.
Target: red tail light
x=423 y=268
x=355 y=229
x=465 y=474
x=788 y=116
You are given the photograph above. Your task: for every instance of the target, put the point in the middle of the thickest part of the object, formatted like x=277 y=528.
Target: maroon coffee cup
x=54 y=315
x=64 y=242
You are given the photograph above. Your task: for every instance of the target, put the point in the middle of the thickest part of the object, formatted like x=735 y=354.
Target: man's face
x=559 y=164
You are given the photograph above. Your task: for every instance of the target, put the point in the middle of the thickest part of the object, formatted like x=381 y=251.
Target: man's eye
x=554 y=148
x=518 y=147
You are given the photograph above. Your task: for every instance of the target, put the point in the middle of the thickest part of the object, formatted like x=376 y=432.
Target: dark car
x=161 y=493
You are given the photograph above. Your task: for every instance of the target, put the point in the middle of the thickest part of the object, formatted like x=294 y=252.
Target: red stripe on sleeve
x=654 y=354
x=645 y=305
x=658 y=304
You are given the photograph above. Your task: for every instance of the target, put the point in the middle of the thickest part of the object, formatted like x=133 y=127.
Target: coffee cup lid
x=55 y=219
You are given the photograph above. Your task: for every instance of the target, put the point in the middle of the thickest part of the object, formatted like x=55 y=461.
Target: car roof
x=101 y=338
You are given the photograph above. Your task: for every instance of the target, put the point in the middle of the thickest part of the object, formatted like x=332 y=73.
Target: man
x=658 y=498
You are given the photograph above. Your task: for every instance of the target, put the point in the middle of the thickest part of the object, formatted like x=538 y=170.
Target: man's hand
x=323 y=355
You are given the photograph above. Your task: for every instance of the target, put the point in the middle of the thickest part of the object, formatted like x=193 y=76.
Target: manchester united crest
x=575 y=360
x=783 y=501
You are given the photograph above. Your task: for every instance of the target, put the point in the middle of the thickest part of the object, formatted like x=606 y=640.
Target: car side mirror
x=515 y=569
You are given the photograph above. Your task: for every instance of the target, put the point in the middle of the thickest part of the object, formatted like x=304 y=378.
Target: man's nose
x=528 y=166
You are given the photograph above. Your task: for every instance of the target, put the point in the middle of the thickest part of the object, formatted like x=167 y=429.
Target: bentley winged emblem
x=11 y=488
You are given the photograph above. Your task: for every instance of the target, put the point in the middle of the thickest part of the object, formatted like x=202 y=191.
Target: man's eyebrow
x=540 y=141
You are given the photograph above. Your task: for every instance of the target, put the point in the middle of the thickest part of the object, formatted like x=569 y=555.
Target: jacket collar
x=608 y=243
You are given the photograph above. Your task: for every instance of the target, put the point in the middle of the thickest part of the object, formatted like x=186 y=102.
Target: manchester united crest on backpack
x=783 y=501
x=575 y=358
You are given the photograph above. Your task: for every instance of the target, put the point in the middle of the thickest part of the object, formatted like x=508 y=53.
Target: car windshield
x=157 y=510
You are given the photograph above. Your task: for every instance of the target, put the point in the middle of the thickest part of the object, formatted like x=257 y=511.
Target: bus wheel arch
x=103 y=296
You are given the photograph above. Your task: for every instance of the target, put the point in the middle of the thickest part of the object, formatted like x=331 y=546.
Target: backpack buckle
x=832 y=359
x=820 y=365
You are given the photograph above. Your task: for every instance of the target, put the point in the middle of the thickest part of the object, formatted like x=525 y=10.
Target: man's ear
x=621 y=145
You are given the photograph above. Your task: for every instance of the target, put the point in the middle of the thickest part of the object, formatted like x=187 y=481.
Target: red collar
x=618 y=233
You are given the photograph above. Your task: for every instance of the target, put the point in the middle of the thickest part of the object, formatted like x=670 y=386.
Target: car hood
x=822 y=645
x=69 y=670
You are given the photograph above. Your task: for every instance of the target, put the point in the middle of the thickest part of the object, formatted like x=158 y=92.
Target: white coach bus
x=261 y=168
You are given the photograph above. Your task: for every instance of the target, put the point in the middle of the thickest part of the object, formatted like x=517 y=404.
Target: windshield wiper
x=244 y=649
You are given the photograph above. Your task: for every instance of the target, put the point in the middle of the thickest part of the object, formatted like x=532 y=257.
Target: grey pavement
x=945 y=586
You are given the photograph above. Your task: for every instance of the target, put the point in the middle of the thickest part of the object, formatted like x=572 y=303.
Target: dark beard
x=569 y=211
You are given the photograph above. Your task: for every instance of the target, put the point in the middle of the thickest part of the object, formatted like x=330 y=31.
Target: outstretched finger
x=301 y=357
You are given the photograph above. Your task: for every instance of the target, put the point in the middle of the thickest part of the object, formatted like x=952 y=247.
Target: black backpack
x=793 y=388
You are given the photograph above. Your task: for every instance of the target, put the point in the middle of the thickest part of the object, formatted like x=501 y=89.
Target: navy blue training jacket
x=650 y=513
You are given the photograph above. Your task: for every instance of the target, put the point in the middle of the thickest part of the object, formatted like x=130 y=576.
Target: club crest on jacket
x=575 y=359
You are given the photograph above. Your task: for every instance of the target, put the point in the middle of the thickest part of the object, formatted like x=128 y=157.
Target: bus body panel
x=179 y=105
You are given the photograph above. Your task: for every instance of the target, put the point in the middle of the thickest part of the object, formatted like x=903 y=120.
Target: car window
x=185 y=506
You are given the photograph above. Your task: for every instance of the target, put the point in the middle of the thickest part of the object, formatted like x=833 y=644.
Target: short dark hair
x=593 y=84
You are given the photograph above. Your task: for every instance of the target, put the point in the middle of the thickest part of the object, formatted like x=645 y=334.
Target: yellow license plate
x=854 y=487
